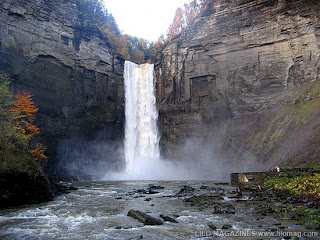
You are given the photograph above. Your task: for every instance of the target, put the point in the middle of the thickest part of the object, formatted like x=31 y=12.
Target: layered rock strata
x=52 y=50
x=237 y=60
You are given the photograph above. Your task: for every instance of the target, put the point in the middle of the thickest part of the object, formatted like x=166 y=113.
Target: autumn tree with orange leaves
x=24 y=111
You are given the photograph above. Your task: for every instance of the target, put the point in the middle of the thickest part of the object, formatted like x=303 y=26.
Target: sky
x=147 y=19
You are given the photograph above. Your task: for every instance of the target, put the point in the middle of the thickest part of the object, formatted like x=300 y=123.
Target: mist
x=89 y=159
x=196 y=158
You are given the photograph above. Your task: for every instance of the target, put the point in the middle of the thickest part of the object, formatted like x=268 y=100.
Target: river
x=98 y=210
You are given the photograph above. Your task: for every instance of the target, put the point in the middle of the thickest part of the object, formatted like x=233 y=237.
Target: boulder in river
x=224 y=208
x=185 y=190
x=168 y=219
x=226 y=226
x=144 y=218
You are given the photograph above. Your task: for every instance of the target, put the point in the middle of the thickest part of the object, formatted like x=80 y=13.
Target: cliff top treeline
x=130 y=47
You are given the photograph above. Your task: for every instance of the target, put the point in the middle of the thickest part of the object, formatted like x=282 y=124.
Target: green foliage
x=305 y=186
x=275 y=127
x=16 y=144
x=309 y=216
x=8 y=135
x=315 y=167
x=131 y=48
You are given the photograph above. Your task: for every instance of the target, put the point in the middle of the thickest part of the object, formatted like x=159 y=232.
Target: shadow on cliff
x=82 y=159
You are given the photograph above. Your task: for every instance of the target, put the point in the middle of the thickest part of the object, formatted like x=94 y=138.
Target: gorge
x=238 y=88
x=145 y=150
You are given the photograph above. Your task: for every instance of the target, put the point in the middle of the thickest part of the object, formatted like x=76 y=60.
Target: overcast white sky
x=146 y=19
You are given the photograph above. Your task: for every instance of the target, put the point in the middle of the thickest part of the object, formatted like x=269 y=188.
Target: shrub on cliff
x=21 y=178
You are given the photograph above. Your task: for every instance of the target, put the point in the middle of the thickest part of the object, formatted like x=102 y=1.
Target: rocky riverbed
x=161 y=210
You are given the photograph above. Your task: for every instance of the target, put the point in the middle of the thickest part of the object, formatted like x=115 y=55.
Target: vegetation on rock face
x=130 y=48
x=16 y=127
x=285 y=129
x=184 y=17
x=21 y=178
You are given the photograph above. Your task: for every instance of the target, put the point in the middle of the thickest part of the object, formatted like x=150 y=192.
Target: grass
x=305 y=186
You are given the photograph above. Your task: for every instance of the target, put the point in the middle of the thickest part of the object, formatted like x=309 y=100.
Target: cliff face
x=234 y=71
x=53 y=51
x=240 y=86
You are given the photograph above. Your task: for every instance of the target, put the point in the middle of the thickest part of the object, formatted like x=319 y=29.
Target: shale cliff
x=240 y=87
x=52 y=50
x=243 y=81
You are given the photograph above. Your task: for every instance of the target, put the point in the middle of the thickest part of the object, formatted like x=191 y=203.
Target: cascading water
x=141 y=131
x=141 y=144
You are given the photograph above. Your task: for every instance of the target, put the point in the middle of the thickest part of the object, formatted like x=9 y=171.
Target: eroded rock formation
x=237 y=64
x=52 y=50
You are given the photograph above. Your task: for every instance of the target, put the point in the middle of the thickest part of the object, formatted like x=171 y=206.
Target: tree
x=184 y=17
x=6 y=117
x=177 y=24
x=190 y=11
x=25 y=111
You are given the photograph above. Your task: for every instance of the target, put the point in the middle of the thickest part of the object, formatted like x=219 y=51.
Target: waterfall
x=141 y=132
x=141 y=143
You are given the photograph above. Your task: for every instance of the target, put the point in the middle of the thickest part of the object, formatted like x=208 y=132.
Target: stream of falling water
x=141 y=131
x=141 y=144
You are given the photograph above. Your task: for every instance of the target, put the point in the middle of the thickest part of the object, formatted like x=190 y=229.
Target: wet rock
x=212 y=226
x=144 y=218
x=151 y=186
x=168 y=219
x=224 y=208
x=288 y=200
x=264 y=209
x=26 y=186
x=61 y=188
x=203 y=199
x=207 y=201
x=140 y=191
x=310 y=204
x=137 y=191
x=139 y=196
x=151 y=192
x=186 y=190
x=226 y=226
x=137 y=237
x=217 y=190
x=222 y=183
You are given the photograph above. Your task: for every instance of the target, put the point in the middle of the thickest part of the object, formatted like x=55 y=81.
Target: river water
x=98 y=210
